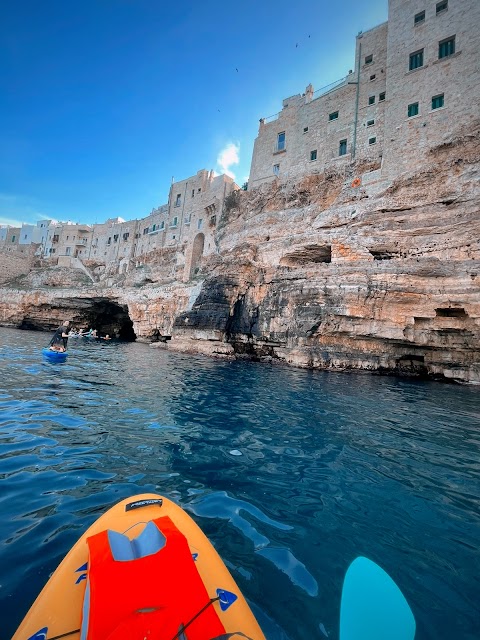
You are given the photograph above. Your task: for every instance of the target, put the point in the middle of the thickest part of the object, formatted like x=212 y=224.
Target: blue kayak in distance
x=54 y=356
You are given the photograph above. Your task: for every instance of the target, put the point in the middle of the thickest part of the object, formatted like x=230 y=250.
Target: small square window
x=276 y=169
x=381 y=96
x=419 y=17
x=368 y=59
x=412 y=109
x=446 y=47
x=333 y=116
x=438 y=101
x=441 y=6
x=370 y=123
x=371 y=100
x=313 y=155
x=342 y=150
x=305 y=129
x=416 y=60
x=199 y=189
x=373 y=77
x=372 y=140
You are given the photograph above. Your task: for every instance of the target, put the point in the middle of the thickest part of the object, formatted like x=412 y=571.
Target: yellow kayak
x=144 y=570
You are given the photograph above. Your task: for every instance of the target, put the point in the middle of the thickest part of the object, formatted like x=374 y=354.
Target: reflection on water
x=290 y=473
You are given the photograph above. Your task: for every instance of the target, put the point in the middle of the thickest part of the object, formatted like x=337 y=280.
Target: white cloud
x=228 y=157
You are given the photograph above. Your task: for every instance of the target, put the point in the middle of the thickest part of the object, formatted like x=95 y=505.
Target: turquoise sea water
x=291 y=474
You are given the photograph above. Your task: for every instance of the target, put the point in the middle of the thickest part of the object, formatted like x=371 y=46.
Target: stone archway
x=197 y=253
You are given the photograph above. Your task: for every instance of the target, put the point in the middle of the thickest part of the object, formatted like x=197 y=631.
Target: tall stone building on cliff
x=416 y=79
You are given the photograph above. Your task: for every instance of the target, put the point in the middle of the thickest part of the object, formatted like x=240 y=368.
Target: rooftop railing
x=316 y=94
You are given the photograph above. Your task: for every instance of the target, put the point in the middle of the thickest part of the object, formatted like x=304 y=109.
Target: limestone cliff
x=339 y=271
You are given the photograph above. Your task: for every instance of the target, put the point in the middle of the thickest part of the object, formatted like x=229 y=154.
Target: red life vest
x=149 y=597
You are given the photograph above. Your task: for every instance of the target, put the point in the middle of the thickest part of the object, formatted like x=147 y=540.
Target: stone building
x=9 y=237
x=185 y=225
x=150 y=234
x=416 y=79
x=67 y=239
x=194 y=207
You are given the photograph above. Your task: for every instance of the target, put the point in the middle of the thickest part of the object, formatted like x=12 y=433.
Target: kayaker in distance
x=60 y=338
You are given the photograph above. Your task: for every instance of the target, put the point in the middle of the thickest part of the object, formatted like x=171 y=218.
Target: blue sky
x=103 y=101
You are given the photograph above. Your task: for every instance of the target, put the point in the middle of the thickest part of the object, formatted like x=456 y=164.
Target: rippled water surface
x=291 y=474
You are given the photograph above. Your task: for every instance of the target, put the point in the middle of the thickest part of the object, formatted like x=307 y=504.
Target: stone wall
x=456 y=76
x=14 y=264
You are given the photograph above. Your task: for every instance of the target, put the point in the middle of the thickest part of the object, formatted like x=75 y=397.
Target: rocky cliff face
x=323 y=273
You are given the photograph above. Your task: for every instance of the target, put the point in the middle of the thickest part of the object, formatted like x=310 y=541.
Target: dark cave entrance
x=102 y=314
x=110 y=317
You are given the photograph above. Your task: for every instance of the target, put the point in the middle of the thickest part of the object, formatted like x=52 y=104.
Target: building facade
x=186 y=224
x=416 y=79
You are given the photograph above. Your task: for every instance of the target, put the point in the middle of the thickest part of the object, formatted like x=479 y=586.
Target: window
x=199 y=189
x=276 y=169
x=313 y=155
x=178 y=200
x=145 y=231
x=442 y=6
x=13 y=238
x=437 y=101
x=199 y=223
x=109 y=241
x=342 y=148
x=68 y=251
x=372 y=140
x=333 y=116
x=125 y=236
x=162 y=225
x=381 y=96
x=193 y=193
x=174 y=222
x=305 y=129
x=25 y=237
x=68 y=237
x=446 y=47
x=373 y=77
x=115 y=237
x=281 y=141
x=370 y=123
x=368 y=59
x=413 y=109
x=371 y=100
x=416 y=60
x=419 y=17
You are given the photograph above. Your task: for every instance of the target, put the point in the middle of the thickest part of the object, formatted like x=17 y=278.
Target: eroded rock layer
x=323 y=273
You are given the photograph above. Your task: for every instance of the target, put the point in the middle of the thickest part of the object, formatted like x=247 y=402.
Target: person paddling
x=60 y=338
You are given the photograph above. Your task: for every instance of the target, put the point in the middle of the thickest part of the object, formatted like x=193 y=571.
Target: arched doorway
x=197 y=252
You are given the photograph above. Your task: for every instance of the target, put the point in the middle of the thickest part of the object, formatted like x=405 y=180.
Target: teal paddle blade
x=373 y=607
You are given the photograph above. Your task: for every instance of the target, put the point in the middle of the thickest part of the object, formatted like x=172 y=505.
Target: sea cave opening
x=102 y=314
x=110 y=317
